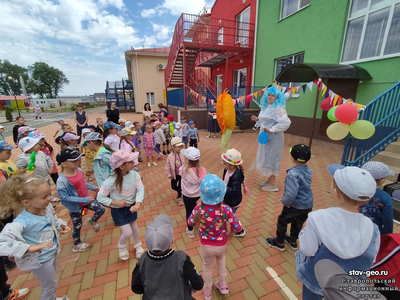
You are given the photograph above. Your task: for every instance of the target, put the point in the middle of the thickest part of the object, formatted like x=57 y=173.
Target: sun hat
x=156 y=123
x=233 y=157
x=27 y=143
x=191 y=153
x=191 y=122
x=331 y=277
x=68 y=154
x=212 y=189
x=129 y=124
x=120 y=157
x=93 y=136
x=36 y=134
x=183 y=118
x=176 y=141
x=1 y=126
x=85 y=130
x=378 y=169
x=70 y=136
x=127 y=131
x=160 y=233
x=108 y=125
x=24 y=129
x=170 y=118
x=301 y=153
x=355 y=183
x=178 y=125
x=5 y=146
x=121 y=120
x=59 y=120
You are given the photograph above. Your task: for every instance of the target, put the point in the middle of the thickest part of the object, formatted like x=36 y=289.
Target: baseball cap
x=36 y=134
x=191 y=153
x=125 y=131
x=176 y=141
x=70 y=136
x=24 y=129
x=58 y=120
x=178 y=125
x=331 y=277
x=212 y=189
x=378 y=169
x=27 y=143
x=157 y=123
x=93 y=136
x=301 y=153
x=121 y=120
x=1 y=126
x=120 y=157
x=191 y=122
x=160 y=233
x=5 y=146
x=85 y=130
x=108 y=125
x=170 y=118
x=355 y=183
x=68 y=154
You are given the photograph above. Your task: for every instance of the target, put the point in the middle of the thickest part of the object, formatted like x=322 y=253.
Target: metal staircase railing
x=384 y=113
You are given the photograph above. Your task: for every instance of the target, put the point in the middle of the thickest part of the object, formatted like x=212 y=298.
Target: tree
x=46 y=81
x=9 y=78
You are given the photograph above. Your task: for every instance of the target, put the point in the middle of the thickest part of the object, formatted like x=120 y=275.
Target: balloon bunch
x=347 y=115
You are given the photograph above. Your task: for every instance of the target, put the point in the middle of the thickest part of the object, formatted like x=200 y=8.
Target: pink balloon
x=326 y=104
x=346 y=113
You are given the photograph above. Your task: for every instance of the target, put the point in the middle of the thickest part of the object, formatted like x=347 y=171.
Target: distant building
x=46 y=103
x=22 y=101
x=100 y=98
x=69 y=100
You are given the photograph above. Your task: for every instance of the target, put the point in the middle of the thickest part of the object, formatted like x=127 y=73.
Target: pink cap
x=157 y=123
x=122 y=156
x=70 y=136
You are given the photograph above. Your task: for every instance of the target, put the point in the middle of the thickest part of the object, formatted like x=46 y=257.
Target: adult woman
x=147 y=111
x=274 y=120
x=212 y=120
x=81 y=120
x=163 y=111
x=112 y=113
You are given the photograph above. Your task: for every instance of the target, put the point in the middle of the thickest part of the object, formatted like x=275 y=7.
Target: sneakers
x=274 y=244
x=168 y=152
x=154 y=163
x=54 y=199
x=179 y=201
x=140 y=160
x=9 y=264
x=139 y=250
x=240 y=234
x=222 y=287
x=165 y=153
x=17 y=294
x=270 y=188
x=122 y=252
x=190 y=233
x=62 y=298
x=94 y=225
x=264 y=183
x=159 y=156
x=292 y=245
x=82 y=247
x=148 y=164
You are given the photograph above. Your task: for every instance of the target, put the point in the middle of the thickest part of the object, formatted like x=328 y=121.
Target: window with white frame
x=239 y=82
x=243 y=27
x=150 y=99
x=221 y=36
x=283 y=62
x=289 y=7
x=373 y=30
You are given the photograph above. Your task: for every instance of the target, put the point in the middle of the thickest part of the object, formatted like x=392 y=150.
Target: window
x=239 y=82
x=242 y=27
x=150 y=99
x=221 y=36
x=218 y=83
x=373 y=30
x=289 y=7
x=283 y=62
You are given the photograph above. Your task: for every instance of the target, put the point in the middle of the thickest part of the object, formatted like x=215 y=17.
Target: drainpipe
x=138 y=78
x=255 y=45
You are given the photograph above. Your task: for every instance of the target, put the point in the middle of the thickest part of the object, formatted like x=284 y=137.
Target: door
x=218 y=83
x=239 y=82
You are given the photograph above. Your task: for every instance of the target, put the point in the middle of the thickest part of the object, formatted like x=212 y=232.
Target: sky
x=86 y=39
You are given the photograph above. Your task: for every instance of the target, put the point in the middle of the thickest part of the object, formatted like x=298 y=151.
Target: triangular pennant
x=304 y=86
x=340 y=100
x=274 y=83
x=255 y=94
x=280 y=88
x=293 y=91
x=327 y=93
x=259 y=92
x=335 y=100
x=264 y=89
x=332 y=96
x=359 y=106
x=310 y=85
x=297 y=89
x=316 y=81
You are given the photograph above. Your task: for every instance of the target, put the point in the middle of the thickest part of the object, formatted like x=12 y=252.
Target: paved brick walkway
x=99 y=274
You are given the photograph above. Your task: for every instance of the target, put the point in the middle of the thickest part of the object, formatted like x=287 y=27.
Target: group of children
x=341 y=233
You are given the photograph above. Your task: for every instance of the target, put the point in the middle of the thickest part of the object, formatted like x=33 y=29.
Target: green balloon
x=331 y=113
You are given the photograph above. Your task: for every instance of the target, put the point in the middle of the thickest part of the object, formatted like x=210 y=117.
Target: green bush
x=9 y=116
x=73 y=107
x=43 y=109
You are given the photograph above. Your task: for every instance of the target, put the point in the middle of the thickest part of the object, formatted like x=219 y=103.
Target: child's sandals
x=82 y=247
x=207 y=293
x=222 y=287
x=95 y=226
x=139 y=250
x=122 y=252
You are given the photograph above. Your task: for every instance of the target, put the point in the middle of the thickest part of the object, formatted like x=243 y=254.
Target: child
x=110 y=135
x=101 y=162
x=121 y=124
x=69 y=140
x=177 y=130
x=126 y=142
x=20 y=122
x=38 y=112
x=339 y=233
x=233 y=176
x=65 y=128
x=192 y=174
x=1 y=133
x=99 y=127
x=175 y=160
x=24 y=131
x=149 y=143
x=73 y=191
x=60 y=124
x=5 y=163
x=193 y=135
x=160 y=138
x=297 y=200
x=153 y=118
x=166 y=130
x=184 y=131
x=43 y=163
x=137 y=138
x=32 y=238
x=89 y=156
x=171 y=124
x=124 y=192
x=152 y=275
x=379 y=209
x=212 y=216
x=146 y=122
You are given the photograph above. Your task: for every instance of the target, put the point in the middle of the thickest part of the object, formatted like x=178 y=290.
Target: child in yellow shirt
x=89 y=156
x=6 y=165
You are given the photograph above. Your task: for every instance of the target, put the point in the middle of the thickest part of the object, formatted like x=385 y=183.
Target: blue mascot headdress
x=280 y=97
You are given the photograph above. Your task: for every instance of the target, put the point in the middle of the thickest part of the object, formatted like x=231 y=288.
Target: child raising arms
x=32 y=238
x=126 y=192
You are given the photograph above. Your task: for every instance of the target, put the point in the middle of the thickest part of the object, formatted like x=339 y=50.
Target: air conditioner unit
x=161 y=66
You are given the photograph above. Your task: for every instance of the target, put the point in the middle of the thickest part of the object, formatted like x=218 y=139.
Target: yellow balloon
x=337 y=131
x=362 y=129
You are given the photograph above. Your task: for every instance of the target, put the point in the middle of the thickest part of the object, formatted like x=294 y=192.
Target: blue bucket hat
x=212 y=189
x=93 y=136
x=58 y=120
x=5 y=146
x=108 y=125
